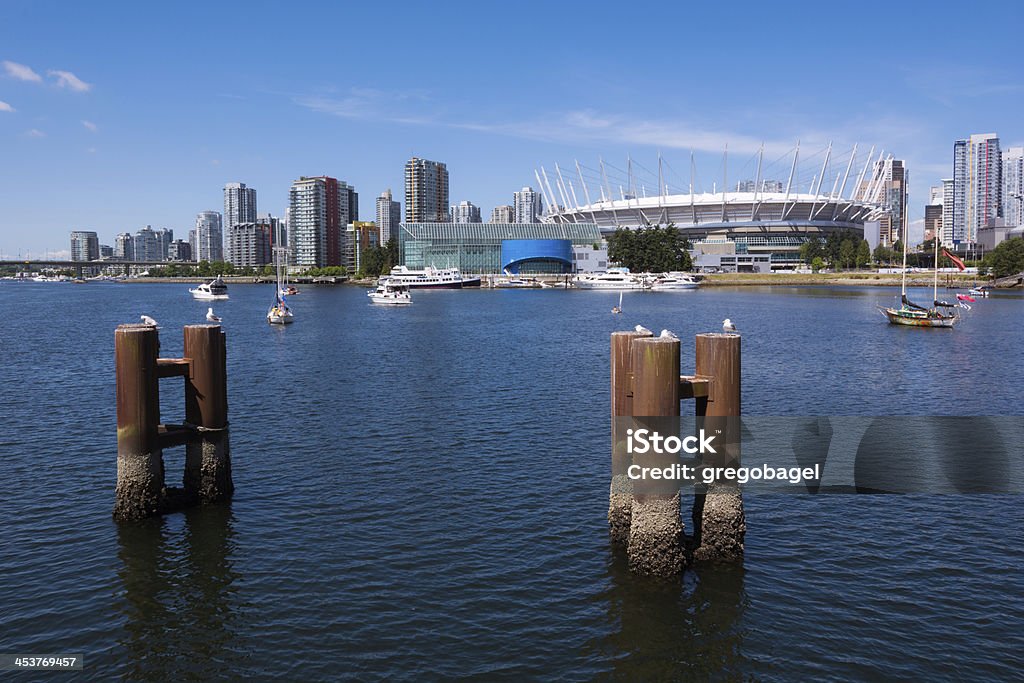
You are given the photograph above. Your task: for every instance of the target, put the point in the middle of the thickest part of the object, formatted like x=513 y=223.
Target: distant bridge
x=91 y=264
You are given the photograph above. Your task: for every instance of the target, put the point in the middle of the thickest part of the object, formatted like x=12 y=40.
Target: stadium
x=759 y=223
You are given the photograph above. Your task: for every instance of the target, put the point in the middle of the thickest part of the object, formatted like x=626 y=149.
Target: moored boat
x=675 y=280
x=613 y=278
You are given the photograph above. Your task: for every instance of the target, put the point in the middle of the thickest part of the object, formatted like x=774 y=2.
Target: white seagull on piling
x=642 y=330
x=146 y=320
x=666 y=334
x=211 y=317
x=727 y=326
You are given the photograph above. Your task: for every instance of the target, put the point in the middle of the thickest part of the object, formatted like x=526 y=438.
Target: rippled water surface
x=421 y=494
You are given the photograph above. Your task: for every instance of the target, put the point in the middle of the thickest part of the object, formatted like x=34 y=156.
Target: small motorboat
x=213 y=290
x=389 y=293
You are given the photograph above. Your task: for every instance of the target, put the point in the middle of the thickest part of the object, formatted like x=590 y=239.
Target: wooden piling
x=207 y=458
x=140 y=470
x=620 y=497
x=656 y=528
x=719 y=522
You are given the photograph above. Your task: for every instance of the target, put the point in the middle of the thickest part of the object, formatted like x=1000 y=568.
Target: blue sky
x=118 y=115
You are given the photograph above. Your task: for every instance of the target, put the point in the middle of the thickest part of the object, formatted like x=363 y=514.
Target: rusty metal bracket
x=696 y=386
x=174 y=367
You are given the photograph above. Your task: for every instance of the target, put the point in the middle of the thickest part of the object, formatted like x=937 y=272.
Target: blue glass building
x=491 y=248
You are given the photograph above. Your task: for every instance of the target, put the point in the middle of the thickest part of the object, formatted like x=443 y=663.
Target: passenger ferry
x=430 y=278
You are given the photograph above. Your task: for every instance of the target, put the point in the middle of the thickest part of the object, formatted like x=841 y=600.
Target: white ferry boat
x=614 y=278
x=675 y=280
x=211 y=291
x=430 y=278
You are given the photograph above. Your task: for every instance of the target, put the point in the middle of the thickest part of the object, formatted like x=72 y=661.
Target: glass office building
x=491 y=248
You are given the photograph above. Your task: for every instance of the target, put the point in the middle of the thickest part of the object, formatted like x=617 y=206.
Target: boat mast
x=904 y=292
x=935 y=286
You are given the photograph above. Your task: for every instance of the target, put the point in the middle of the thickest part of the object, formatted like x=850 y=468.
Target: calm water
x=421 y=494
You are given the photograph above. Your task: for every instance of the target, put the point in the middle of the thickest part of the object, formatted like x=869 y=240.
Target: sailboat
x=941 y=314
x=618 y=309
x=280 y=313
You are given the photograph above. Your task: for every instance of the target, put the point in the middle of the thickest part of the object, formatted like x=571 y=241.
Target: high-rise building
x=977 y=186
x=321 y=208
x=147 y=245
x=426 y=191
x=465 y=212
x=249 y=244
x=946 y=234
x=209 y=244
x=179 y=250
x=239 y=204
x=359 y=236
x=164 y=237
x=85 y=245
x=278 y=231
x=389 y=215
x=106 y=251
x=124 y=247
x=527 y=205
x=933 y=211
x=506 y=213
x=888 y=187
x=1013 y=186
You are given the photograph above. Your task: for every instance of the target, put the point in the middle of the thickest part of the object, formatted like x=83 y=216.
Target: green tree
x=811 y=249
x=652 y=249
x=863 y=254
x=817 y=263
x=847 y=253
x=882 y=254
x=391 y=258
x=833 y=243
x=1006 y=259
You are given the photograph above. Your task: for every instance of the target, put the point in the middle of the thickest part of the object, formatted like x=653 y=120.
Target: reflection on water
x=179 y=601
x=666 y=630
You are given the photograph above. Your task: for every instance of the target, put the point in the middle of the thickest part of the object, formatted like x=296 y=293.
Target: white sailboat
x=280 y=313
x=618 y=309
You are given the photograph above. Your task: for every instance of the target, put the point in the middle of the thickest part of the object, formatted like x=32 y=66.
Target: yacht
x=430 y=278
x=211 y=291
x=675 y=280
x=614 y=278
x=390 y=293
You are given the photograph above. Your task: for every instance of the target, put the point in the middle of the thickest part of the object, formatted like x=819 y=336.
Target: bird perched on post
x=146 y=320
x=642 y=330
x=211 y=317
x=728 y=326
x=666 y=334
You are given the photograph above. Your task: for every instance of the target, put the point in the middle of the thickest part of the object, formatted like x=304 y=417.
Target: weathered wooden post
x=140 y=467
x=207 y=458
x=718 y=510
x=656 y=529
x=620 y=497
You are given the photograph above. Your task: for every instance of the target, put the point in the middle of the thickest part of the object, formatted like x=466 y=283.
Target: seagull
x=146 y=320
x=211 y=317
x=727 y=326
x=642 y=330
x=665 y=334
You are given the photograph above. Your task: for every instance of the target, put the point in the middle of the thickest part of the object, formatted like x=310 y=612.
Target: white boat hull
x=390 y=301
x=206 y=296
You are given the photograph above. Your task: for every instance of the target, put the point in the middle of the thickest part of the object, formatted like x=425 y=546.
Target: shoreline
x=852 y=279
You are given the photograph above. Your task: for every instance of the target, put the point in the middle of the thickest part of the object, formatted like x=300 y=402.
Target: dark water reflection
x=180 y=604
x=666 y=630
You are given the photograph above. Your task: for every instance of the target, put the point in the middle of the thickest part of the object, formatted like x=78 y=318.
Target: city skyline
x=110 y=118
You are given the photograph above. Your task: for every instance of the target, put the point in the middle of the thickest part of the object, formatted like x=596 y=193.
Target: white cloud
x=66 y=79
x=90 y=126
x=21 y=72
x=35 y=133
x=5 y=107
